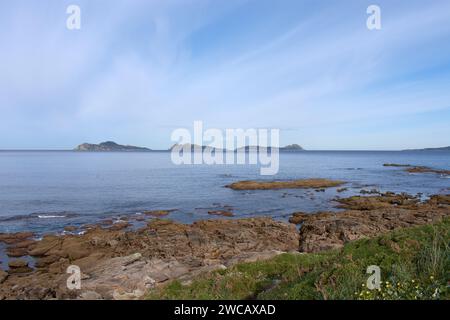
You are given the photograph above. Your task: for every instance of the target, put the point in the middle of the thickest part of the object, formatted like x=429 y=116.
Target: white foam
x=50 y=217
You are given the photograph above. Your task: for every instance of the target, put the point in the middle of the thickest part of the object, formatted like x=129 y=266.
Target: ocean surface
x=43 y=191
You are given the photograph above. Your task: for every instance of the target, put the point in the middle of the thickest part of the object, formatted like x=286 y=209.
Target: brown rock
x=157 y=213
x=25 y=244
x=420 y=169
x=119 y=226
x=293 y=184
x=3 y=276
x=11 y=238
x=221 y=213
x=17 y=263
x=20 y=270
x=298 y=217
x=45 y=261
x=366 y=217
x=17 y=252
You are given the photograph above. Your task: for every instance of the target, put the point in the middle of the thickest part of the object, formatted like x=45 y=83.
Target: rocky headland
x=119 y=263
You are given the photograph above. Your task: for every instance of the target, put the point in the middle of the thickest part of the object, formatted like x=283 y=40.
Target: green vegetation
x=414 y=262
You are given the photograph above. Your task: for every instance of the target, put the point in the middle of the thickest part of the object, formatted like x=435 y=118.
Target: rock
x=131 y=259
x=45 y=261
x=17 y=252
x=48 y=243
x=125 y=264
x=17 y=263
x=420 y=169
x=3 y=276
x=440 y=199
x=119 y=226
x=12 y=238
x=366 y=217
x=90 y=295
x=70 y=228
x=20 y=270
x=75 y=248
x=293 y=184
x=24 y=244
x=396 y=165
x=156 y=213
x=107 y=222
x=221 y=213
x=298 y=217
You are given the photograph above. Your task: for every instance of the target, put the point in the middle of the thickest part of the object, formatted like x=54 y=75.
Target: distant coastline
x=110 y=146
x=430 y=149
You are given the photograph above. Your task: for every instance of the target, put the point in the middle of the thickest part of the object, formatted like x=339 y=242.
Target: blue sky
x=137 y=70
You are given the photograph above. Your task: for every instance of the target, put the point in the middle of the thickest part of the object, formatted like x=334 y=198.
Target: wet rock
x=156 y=213
x=17 y=252
x=20 y=270
x=298 y=217
x=396 y=165
x=70 y=228
x=119 y=226
x=17 y=263
x=293 y=184
x=420 y=169
x=377 y=202
x=223 y=213
x=3 y=276
x=372 y=191
x=12 y=238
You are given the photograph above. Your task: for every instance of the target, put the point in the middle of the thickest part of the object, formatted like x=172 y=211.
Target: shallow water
x=44 y=191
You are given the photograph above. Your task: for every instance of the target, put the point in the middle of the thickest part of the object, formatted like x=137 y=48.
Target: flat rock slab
x=292 y=184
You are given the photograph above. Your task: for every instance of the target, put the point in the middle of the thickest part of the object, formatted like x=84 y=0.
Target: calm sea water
x=45 y=191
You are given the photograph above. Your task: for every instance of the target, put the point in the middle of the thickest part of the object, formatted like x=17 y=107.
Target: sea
x=44 y=191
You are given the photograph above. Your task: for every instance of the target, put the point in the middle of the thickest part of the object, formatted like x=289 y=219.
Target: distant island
x=111 y=146
x=194 y=147
x=430 y=149
x=108 y=146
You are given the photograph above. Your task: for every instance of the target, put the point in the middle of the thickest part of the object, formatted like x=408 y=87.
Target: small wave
x=50 y=217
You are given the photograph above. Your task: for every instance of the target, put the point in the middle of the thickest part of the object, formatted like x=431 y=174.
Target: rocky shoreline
x=119 y=263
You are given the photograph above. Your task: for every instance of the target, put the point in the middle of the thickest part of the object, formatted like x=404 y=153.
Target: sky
x=138 y=70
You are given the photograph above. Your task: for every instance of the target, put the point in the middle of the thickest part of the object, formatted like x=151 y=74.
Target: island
x=109 y=146
x=430 y=149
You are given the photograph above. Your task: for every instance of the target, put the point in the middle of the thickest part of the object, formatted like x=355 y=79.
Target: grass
x=414 y=263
